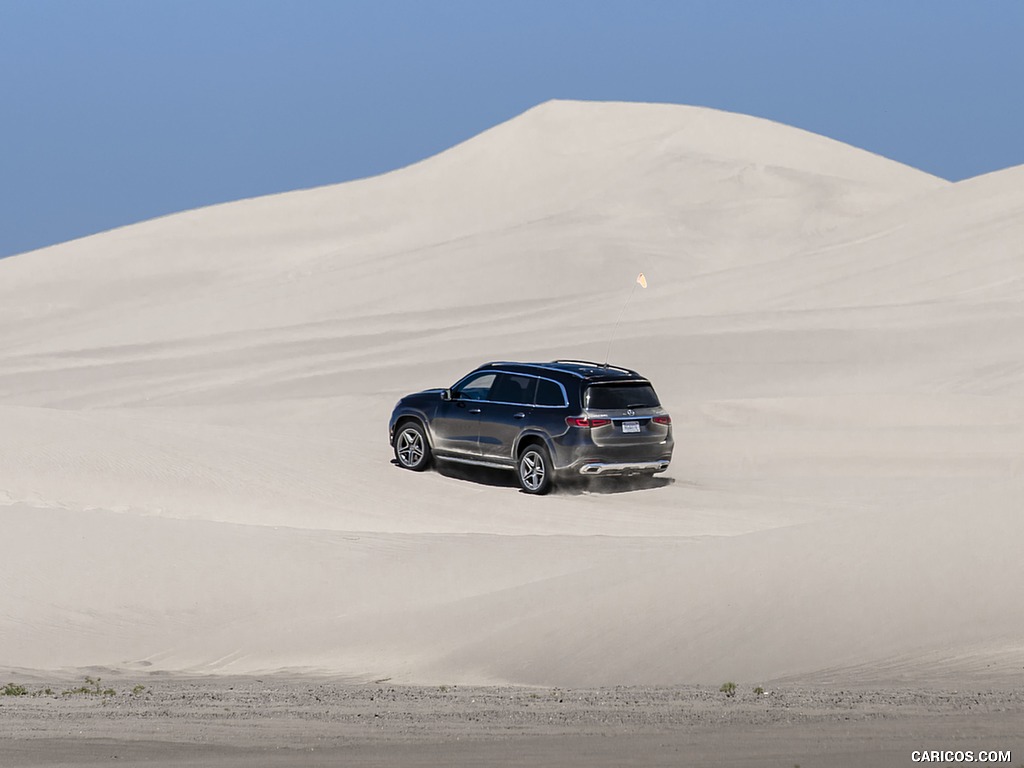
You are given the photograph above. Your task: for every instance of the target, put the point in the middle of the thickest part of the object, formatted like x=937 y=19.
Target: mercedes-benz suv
x=545 y=421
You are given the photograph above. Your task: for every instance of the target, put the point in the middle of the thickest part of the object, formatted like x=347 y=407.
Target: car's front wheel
x=412 y=450
x=534 y=470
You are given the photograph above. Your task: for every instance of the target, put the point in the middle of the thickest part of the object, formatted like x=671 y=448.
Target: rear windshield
x=610 y=397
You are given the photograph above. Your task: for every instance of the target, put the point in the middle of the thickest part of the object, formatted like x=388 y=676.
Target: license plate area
x=631 y=427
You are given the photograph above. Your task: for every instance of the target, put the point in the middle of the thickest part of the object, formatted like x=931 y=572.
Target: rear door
x=633 y=409
x=507 y=413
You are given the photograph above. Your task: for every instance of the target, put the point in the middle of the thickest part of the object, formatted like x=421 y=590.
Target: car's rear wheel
x=533 y=470
x=412 y=450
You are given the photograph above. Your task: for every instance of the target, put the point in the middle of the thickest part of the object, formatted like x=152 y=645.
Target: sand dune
x=194 y=472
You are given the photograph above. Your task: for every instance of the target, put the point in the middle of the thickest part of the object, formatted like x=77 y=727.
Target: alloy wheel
x=532 y=470
x=410 y=447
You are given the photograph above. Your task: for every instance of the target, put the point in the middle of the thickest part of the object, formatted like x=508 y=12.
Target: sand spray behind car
x=641 y=280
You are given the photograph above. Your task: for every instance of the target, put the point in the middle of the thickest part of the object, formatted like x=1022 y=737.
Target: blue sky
x=112 y=112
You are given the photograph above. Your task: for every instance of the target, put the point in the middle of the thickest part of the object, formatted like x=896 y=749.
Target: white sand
x=194 y=469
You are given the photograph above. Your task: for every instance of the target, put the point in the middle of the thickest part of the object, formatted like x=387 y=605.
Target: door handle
x=519 y=415
x=474 y=410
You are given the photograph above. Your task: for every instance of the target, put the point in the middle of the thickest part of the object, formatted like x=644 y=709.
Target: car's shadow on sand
x=502 y=478
x=498 y=478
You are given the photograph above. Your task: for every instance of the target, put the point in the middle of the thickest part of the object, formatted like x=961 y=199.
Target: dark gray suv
x=545 y=421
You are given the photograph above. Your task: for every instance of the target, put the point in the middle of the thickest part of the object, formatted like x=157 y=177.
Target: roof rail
x=595 y=365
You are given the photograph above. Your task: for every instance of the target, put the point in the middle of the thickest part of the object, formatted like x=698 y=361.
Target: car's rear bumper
x=587 y=459
x=591 y=468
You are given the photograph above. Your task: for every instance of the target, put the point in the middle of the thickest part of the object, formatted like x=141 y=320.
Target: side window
x=549 y=393
x=513 y=388
x=475 y=387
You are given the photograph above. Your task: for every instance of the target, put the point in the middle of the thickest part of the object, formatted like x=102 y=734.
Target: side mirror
x=446 y=394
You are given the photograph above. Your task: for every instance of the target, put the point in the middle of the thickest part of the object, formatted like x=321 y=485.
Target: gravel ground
x=309 y=721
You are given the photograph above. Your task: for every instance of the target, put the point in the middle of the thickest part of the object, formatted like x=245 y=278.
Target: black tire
x=412 y=451
x=533 y=470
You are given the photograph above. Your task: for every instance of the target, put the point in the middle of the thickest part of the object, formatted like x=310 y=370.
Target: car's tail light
x=574 y=421
x=666 y=419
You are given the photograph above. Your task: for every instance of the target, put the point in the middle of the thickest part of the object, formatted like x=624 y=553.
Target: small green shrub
x=140 y=688
x=91 y=688
x=759 y=691
x=14 y=690
x=729 y=689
